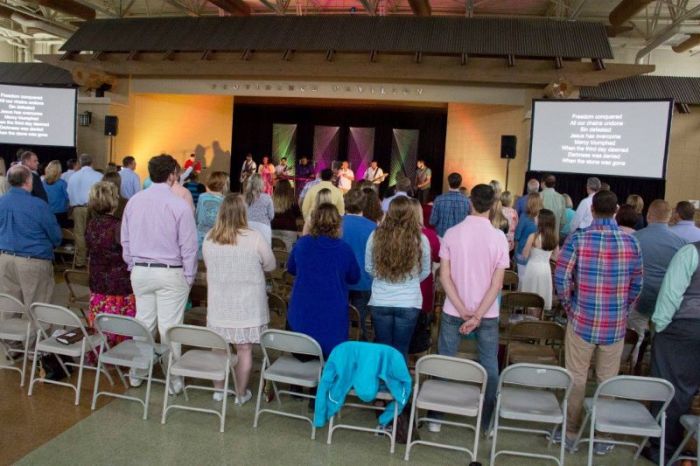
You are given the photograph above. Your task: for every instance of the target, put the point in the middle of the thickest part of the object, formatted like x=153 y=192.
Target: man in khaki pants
x=28 y=234
x=598 y=278
x=79 y=186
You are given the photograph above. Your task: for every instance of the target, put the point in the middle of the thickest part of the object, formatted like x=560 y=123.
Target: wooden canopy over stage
x=433 y=50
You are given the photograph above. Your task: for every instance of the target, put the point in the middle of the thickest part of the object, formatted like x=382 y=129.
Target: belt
x=157 y=266
x=24 y=256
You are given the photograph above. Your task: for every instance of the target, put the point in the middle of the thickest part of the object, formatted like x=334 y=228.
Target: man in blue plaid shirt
x=450 y=208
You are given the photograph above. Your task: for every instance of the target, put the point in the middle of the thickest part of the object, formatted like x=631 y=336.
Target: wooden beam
x=420 y=7
x=353 y=67
x=168 y=56
x=133 y=55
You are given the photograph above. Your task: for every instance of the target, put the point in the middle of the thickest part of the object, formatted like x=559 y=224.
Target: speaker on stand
x=111 y=129
x=508 y=145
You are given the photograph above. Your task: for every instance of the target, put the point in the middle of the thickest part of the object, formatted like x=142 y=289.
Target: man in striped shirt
x=598 y=278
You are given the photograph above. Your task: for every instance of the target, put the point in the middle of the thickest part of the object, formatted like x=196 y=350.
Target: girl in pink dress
x=267 y=172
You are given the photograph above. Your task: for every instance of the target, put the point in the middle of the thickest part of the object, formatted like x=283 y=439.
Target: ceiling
x=668 y=22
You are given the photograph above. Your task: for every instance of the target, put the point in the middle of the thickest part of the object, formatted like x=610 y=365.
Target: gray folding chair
x=200 y=364
x=15 y=329
x=525 y=394
x=287 y=369
x=692 y=427
x=458 y=388
x=46 y=315
x=138 y=352
x=617 y=408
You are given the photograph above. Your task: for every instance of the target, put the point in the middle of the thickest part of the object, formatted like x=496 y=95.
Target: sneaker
x=175 y=387
x=134 y=380
x=241 y=400
x=556 y=439
x=434 y=427
x=603 y=448
x=219 y=396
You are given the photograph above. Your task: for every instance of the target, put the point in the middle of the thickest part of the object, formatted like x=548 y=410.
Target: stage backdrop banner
x=326 y=143
x=360 y=150
x=284 y=144
x=404 y=149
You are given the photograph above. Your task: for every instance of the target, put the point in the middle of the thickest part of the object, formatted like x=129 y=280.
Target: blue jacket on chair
x=367 y=368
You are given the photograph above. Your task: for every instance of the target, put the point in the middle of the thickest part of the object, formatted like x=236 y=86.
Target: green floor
x=116 y=434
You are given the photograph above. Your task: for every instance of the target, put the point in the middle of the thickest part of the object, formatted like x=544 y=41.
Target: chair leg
x=330 y=431
x=223 y=402
x=260 y=392
x=591 y=439
x=97 y=382
x=148 y=391
x=494 y=430
x=562 y=447
x=393 y=430
x=411 y=420
x=24 y=358
x=80 y=375
x=680 y=448
x=165 y=392
x=586 y=418
x=662 y=440
x=35 y=361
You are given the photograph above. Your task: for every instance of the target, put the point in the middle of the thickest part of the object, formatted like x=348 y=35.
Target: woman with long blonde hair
x=237 y=258
x=398 y=257
x=57 y=193
x=287 y=214
x=324 y=265
x=260 y=208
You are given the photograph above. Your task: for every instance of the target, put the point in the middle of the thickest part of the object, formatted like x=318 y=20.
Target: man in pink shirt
x=474 y=257
x=159 y=241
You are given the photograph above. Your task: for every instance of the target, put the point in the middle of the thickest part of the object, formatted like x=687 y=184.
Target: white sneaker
x=241 y=400
x=175 y=387
x=134 y=380
x=434 y=427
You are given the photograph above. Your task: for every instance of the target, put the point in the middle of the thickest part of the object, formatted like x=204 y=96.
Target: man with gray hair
x=29 y=233
x=533 y=186
x=584 y=216
x=79 y=186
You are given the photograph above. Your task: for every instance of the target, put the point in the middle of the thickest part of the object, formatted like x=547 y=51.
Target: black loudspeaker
x=111 y=125
x=508 y=143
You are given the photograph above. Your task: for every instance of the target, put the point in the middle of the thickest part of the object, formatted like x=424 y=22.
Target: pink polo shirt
x=475 y=250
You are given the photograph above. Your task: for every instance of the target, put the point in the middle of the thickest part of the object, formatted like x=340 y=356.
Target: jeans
x=394 y=326
x=487 y=345
x=360 y=300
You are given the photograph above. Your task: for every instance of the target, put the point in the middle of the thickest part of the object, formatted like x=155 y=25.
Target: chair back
x=355 y=329
x=510 y=281
x=75 y=278
x=520 y=299
x=192 y=335
x=289 y=342
x=276 y=304
x=281 y=256
x=68 y=235
x=537 y=329
x=55 y=315
x=538 y=376
x=450 y=368
x=124 y=326
x=10 y=305
x=636 y=388
x=278 y=244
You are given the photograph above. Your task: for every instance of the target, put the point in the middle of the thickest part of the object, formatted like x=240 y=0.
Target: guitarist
x=375 y=174
x=247 y=169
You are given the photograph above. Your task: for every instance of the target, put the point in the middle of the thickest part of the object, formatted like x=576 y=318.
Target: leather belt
x=157 y=266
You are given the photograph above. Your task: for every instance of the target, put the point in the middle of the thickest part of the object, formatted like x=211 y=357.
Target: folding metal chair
x=67 y=248
x=525 y=395
x=519 y=305
x=138 y=352
x=510 y=281
x=459 y=388
x=78 y=298
x=617 y=408
x=535 y=342
x=277 y=243
x=15 y=327
x=278 y=311
x=199 y=364
x=50 y=314
x=692 y=427
x=287 y=369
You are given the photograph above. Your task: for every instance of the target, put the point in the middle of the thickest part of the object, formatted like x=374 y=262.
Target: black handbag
x=51 y=367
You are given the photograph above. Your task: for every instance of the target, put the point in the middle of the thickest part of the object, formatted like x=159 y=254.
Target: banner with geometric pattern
x=284 y=144
x=404 y=154
x=326 y=143
x=360 y=150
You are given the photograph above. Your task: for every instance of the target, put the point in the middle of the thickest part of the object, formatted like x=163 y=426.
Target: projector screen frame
x=669 y=120
x=75 y=113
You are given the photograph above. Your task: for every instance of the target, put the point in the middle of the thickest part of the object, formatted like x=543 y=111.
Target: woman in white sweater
x=237 y=258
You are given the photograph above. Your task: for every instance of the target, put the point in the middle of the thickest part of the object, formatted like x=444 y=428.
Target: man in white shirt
x=345 y=177
x=584 y=216
x=403 y=185
x=131 y=183
x=79 y=187
x=248 y=168
x=374 y=174
x=282 y=170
